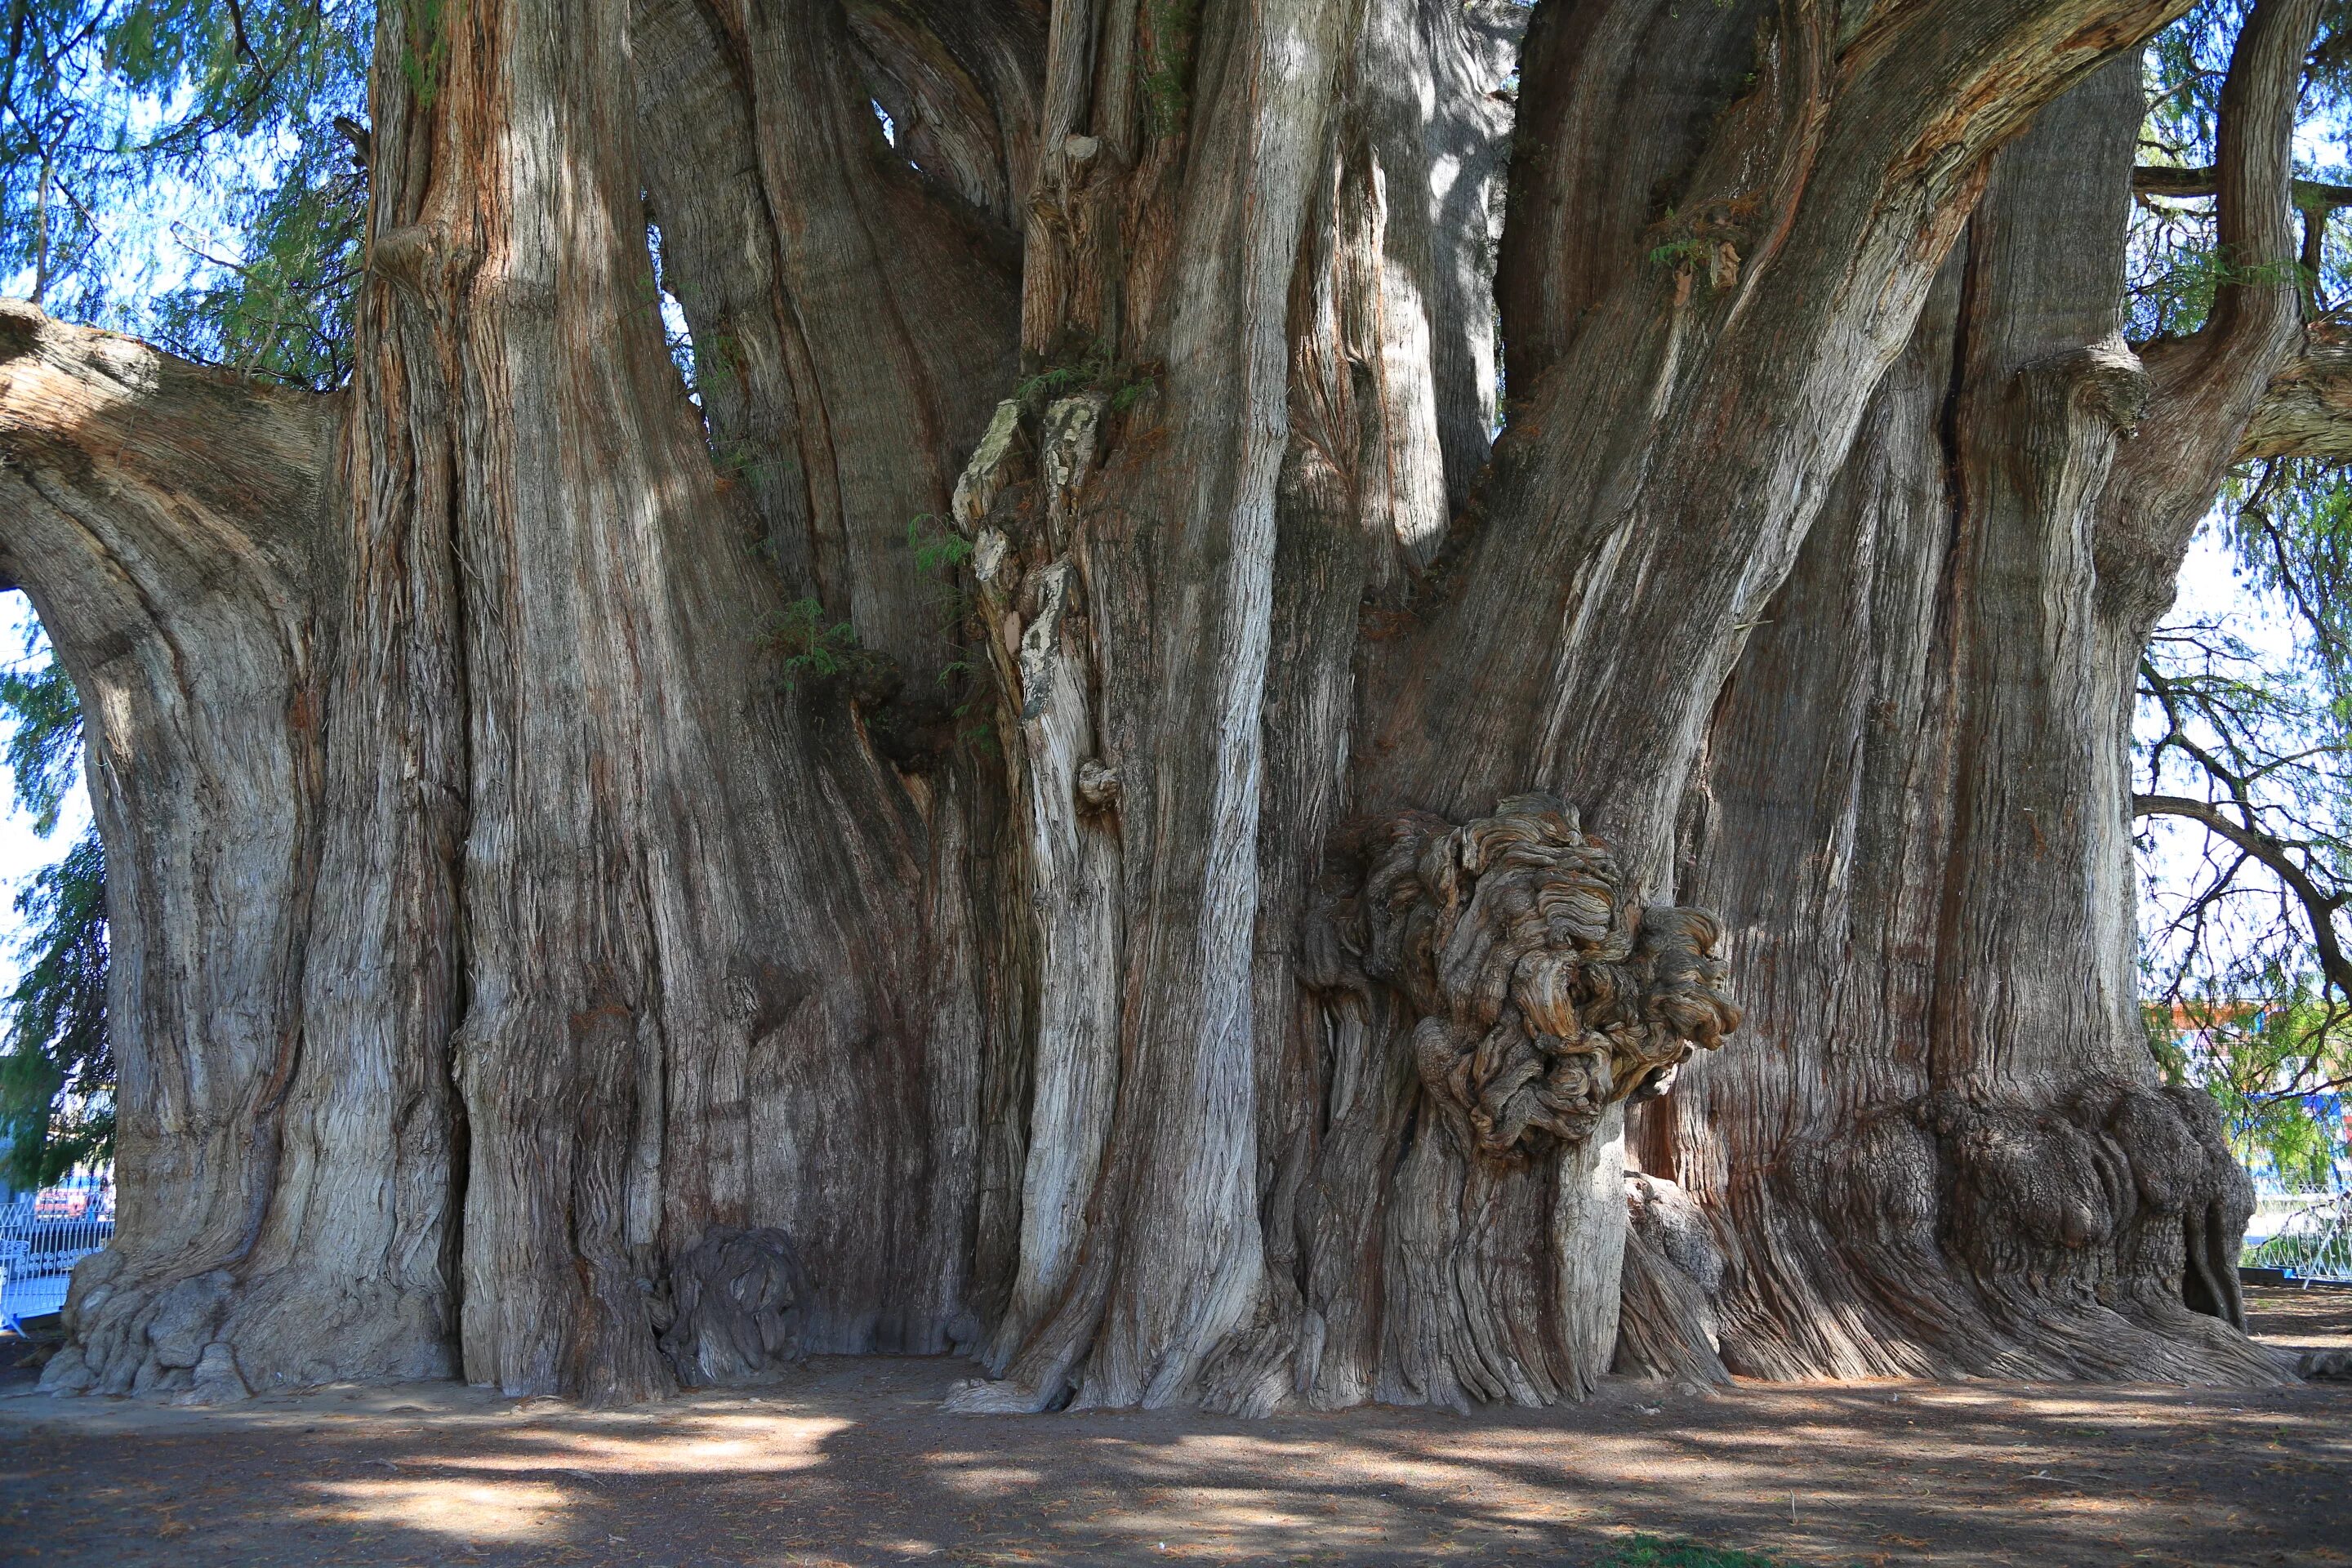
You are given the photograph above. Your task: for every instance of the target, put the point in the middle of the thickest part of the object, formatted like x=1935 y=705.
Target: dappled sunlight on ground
x=704 y=1446
x=465 y=1512
x=852 y=1462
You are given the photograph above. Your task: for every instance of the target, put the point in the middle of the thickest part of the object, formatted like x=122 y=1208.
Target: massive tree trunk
x=1066 y=807
x=1946 y=1153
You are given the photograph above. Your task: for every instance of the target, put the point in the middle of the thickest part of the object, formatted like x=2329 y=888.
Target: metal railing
x=2312 y=1240
x=42 y=1237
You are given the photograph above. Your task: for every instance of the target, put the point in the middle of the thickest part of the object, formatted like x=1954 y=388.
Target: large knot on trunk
x=738 y=1301
x=1545 y=991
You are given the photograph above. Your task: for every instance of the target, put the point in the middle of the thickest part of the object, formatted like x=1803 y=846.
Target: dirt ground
x=852 y=1462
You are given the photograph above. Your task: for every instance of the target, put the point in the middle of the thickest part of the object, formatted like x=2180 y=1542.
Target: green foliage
x=1126 y=384
x=1650 y=1551
x=2240 y=1000
x=1168 y=62
x=57 y=1071
x=940 y=549
x=1682 y=252
x=2269 y=1071
x=2320 y=1246
x=2174 y=292
x=174 y=168
x=44 y=750
x=2249 y=713
x=1060 y=380
x=740 y=461
x=285 y=311
x=939 y=552
x=425 y=47
x=2173 y=270
x=2290 y=527
x=1704 y=242
x=819 y=653
x=937 y=547
x=56 y=1076
x=815 y=650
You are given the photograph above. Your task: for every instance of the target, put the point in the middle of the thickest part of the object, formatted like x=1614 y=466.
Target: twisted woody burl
x=1545 y=991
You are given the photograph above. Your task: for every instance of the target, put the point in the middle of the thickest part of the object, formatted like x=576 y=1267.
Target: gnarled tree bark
x=1066 y=807
x=1953 y=1157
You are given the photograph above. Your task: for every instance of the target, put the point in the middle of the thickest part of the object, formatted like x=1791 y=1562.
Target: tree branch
x=108 y=415
x=2204 y=389
x=2306 y=195
x=2318 y=907
x=236 y=26
x=2256 y=310
x=2307 y=411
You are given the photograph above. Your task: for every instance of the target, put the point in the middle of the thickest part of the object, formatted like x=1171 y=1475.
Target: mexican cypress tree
x=1077 y=801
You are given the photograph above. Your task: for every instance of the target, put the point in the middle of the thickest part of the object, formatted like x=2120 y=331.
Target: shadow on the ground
x=852 y=1462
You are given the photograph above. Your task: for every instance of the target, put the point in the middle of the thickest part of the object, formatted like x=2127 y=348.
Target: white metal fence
x=2309 y=1235
x=42 y=1237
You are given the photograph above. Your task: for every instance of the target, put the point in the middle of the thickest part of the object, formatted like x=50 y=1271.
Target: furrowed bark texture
x=1950 y=1156
x=764 y=1018
x=558 y=863
x=1642 y=387
x=1064 y=805
x=186 y=614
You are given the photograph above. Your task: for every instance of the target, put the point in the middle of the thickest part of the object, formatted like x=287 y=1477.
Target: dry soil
x=852 y=1461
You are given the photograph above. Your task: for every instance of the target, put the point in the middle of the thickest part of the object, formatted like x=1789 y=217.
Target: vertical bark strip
x=891 y=996
x=184 y=619
x=584 y=927
x=1179 y=563
x=642 y=962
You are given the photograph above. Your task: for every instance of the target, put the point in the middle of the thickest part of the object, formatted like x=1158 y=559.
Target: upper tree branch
x=2307 y=411
x=2320 y=905
x=157 y=453
x=2257 y=308
x=2306 y=195
x=1805 y=234
x=2204 y=389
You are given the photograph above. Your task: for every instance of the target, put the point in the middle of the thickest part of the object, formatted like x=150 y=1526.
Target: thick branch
x=2305 y=195
x=1806 y=235
x=91 y=412
x=2307 y=411
x=2205 y=388
x=2318 y=906
x=2255 y=164
x=167 y=522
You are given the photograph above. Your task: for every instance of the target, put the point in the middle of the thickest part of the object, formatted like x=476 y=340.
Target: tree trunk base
x=212 y=1338
x=1946 y=1237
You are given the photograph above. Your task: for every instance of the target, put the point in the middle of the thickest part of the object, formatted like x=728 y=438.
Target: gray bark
x=2306 y=411
x=174 y=529
x=1071 y=811
x=1953 y=1156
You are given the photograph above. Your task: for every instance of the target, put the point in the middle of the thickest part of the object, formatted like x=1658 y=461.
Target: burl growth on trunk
x=1546 y=993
